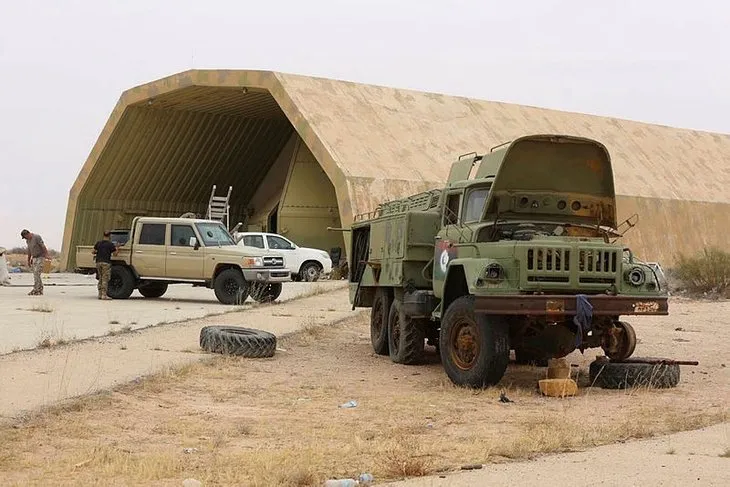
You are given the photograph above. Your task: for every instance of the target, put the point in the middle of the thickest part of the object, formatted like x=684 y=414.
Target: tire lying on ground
x=631 y=373
x=236 y=340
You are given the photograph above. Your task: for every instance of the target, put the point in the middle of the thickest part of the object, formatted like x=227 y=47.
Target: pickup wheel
x=265 y=292
x=121 y=282
x=379 y=321
x=230 y=287
x=153 y=289
x=406 y=336
x=310 y=271
x=474 y=348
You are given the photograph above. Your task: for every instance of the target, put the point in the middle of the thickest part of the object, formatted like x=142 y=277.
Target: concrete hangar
x=303 y=154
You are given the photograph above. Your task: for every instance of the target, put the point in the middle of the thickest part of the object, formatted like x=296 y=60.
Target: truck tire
x=310 y=271
x=230 y=287
x=474 y=348
x=265 y=292
x=153 y=289
x=632 y=373
x=239 y=341
x=406 y=336
x=379 y=321
x=121 y=282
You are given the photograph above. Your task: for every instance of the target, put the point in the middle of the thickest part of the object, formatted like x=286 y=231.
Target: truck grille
x=273 y=261
x=554 y=265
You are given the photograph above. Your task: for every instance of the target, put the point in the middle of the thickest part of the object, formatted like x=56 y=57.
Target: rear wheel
x=230 y=287
x=406 y=336
x=474 y=348
x=121 y=282
x=379 y=321
x=153 y=289
x=265 y=292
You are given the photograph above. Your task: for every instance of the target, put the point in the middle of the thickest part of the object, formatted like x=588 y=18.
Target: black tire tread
x=632 y=373
x=412 y=337
x=239 y=341
x=380 y=343
x=128 y=282
x=153 y=289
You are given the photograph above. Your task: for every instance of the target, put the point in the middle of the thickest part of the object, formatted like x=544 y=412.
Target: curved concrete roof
x=166 y=143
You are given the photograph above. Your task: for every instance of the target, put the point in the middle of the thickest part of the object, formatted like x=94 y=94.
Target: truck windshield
x=475 y=204
x=214 y=234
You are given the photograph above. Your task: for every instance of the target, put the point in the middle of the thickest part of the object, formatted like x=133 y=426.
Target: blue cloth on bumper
x=583 y=318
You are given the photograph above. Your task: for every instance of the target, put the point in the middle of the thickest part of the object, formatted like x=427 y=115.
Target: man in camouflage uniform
x=37 y=254
x=103 y=250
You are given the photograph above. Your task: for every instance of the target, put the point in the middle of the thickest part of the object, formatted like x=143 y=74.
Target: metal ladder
x=218 y=207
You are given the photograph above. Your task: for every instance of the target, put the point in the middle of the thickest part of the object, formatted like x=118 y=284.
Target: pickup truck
x=163 y=251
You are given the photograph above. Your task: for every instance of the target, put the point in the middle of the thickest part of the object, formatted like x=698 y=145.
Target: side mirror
x=194 y=243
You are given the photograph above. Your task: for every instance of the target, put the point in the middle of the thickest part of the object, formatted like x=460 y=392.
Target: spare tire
x=632 y=372
x=236 y=340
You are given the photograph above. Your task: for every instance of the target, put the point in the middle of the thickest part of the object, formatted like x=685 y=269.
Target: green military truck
x=162 y=251
x=518 y=252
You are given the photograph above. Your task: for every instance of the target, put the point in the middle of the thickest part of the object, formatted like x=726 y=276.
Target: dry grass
x=42 y=308
x=277 y=422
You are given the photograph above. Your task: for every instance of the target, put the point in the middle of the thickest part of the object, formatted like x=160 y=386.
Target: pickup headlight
x=253 y=262
x=635 y=276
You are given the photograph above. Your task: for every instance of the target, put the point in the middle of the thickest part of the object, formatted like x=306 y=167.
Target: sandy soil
x=277 y=421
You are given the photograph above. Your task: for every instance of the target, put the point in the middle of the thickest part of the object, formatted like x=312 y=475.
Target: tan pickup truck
x=163 y=251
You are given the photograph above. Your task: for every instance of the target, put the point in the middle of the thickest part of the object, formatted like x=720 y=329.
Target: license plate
x=555 y=306
x=646 y=307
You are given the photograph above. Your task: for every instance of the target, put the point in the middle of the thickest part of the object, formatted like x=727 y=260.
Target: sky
x=63 y=66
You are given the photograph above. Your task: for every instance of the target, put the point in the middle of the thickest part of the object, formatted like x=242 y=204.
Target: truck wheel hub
x=465 y=345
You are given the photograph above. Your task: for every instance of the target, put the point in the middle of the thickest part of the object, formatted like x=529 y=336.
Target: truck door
x=448 y=235
x=185 y=256
x=149 y=254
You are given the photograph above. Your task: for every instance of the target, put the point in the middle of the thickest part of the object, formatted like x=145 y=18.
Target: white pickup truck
x=306 y=264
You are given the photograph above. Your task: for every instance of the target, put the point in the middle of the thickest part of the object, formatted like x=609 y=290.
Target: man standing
x=103 y=250
x=37 y=254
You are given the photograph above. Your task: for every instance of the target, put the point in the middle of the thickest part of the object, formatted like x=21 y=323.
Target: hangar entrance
x=166 y=152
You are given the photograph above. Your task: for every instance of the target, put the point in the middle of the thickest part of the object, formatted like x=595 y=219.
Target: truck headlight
x=635 y=276
x=494 y=272
x=253 y=262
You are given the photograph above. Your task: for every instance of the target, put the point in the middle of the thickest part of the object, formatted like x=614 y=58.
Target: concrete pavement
x=69 y=309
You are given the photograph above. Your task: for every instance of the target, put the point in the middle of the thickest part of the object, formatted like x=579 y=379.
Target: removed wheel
x=631 y=373
x=406 y=336
x=265 y=292
x=379 y=321
x=474 y=348
x=121 y=282
x=239 y=341
x=230 y=287
x=153 y=289
x=310 y=271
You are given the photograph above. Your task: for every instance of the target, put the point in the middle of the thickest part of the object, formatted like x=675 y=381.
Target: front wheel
x=310 y=271
x=265 y=292
x=230 y=287
x=121 y=282
x=474 y=348
x=620 y=341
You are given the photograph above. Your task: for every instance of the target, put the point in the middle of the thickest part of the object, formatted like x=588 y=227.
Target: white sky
x=62 y=68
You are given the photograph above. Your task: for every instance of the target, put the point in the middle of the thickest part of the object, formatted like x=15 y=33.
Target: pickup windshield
x=214 y=234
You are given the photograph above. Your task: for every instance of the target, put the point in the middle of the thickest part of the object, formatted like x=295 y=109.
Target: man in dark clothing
x=103 y=250
x=37 y=254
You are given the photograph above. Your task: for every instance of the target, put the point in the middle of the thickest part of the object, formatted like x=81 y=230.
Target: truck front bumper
x=263 y=274
x=603 y=305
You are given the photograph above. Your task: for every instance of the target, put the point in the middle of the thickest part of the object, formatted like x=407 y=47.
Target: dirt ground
x=230 y=421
